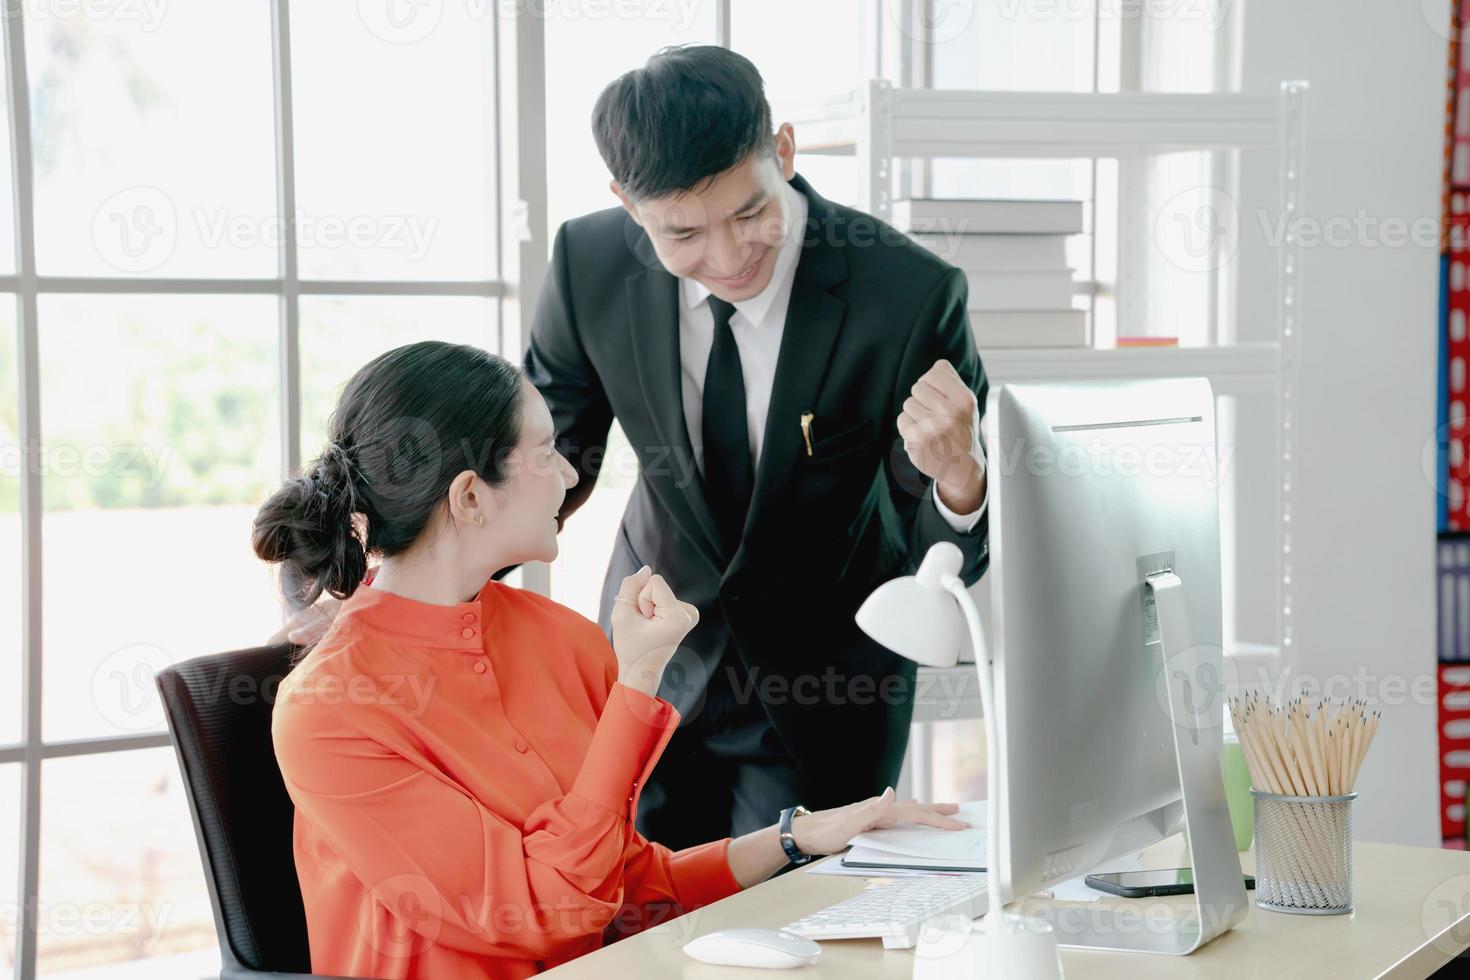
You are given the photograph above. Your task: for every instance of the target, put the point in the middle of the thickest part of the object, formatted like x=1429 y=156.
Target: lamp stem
x=985 y=670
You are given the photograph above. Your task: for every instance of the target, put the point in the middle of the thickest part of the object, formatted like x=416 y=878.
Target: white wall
x=1365 y=510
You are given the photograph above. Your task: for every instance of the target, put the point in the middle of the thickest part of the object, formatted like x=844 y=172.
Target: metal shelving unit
x=883 y=125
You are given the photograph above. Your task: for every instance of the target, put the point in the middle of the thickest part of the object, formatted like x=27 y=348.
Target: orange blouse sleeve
x=455 y=872
x=662 y=884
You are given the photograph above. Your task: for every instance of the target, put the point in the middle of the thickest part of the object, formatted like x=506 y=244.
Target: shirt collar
x=460 y=626
x=755 y=309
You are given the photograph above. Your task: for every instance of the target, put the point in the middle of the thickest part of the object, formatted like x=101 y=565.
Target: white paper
x=1077 y=890
x=917 y=840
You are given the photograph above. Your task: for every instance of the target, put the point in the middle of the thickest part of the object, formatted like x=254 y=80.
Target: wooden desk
x=1412 y=916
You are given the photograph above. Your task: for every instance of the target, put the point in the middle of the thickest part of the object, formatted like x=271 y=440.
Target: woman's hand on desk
x=648 y=624
x=758 y=855
x=828 y=831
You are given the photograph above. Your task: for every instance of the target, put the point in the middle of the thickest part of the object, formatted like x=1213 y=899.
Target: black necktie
x=728 y=475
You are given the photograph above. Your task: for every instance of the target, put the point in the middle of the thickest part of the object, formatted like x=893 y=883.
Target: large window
x=232 y=212
x=132 y=892
x=150 y=485
x=395 y=140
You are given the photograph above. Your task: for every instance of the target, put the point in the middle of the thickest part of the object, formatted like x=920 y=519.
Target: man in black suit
x=803 y=393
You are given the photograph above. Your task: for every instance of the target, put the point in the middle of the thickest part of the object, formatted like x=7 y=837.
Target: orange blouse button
x=468 y=618
x=467 y=633
x=479 y=667
x=520 y=744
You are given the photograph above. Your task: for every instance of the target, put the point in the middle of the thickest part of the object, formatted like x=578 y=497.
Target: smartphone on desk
x=1149 y=884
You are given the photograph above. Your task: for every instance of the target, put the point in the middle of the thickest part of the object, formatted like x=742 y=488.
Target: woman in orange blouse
x=465 y=757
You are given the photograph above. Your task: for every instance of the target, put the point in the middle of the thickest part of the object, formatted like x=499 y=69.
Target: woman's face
x=537 y=480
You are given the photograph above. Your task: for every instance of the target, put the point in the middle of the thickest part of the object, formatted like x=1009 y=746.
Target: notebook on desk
x=919 y=848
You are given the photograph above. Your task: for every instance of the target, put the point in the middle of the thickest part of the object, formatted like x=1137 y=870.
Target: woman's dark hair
x=689 y=114
x=405 y=425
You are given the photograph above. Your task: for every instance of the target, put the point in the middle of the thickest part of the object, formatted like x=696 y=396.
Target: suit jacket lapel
x=813 y=323
x=653 y=319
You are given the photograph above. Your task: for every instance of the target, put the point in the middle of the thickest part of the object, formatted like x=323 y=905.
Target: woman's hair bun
x=308 y=526
x=406 y=425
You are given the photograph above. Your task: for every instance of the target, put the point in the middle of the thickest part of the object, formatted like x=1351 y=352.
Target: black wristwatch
x=788 y=842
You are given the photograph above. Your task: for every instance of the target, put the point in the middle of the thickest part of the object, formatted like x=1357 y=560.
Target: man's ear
x=617 y=190
x=786 y=150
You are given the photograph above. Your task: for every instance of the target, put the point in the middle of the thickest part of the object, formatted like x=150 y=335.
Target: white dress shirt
x=757 y=324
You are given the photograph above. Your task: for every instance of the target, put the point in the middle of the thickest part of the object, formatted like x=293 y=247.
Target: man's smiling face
x=726 y=232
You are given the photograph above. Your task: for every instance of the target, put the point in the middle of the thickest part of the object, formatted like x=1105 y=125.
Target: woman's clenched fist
x=648 y=624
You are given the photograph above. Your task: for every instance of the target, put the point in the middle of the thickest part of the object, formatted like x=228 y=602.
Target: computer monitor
x=1094 y=487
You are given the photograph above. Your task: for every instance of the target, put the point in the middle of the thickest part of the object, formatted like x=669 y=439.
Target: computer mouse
x=773 y=949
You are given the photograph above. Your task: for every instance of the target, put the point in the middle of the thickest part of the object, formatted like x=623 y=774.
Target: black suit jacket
x=870 y=312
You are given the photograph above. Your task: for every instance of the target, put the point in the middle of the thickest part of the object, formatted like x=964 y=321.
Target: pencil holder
x=1304 y=853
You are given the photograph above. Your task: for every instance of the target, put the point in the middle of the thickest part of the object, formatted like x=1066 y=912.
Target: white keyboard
x=896 y=910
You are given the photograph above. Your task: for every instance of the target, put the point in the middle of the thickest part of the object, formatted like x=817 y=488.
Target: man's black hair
x=689 y=114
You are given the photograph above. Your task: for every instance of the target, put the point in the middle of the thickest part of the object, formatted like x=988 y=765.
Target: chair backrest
x=219 y=712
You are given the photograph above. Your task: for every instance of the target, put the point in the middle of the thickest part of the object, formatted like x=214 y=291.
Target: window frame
x=515 y=87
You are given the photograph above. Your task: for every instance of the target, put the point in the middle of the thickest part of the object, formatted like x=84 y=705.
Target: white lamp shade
x=914 y=616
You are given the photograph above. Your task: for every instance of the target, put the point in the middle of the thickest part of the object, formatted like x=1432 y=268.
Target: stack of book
x=1014 y=254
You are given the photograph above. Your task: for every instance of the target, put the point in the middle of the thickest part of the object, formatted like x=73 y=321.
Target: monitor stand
x=1195 y=677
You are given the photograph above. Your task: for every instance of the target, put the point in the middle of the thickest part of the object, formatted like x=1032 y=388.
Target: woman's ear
x=470 y=502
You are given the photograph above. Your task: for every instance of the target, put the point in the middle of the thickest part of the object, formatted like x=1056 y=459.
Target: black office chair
x=219 y=713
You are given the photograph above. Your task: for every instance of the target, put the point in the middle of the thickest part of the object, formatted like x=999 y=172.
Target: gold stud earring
x=479 y=520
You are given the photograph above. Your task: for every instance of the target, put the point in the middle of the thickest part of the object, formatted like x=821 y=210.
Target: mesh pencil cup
x=1304 y=853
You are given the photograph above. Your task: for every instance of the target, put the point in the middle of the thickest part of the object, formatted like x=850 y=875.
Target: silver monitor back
x=1094 y=486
